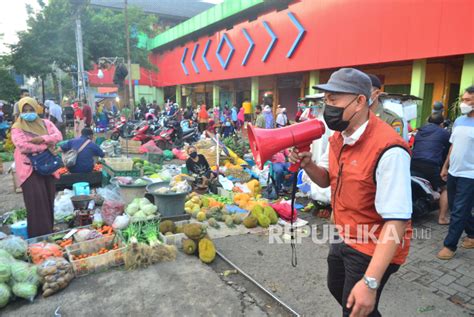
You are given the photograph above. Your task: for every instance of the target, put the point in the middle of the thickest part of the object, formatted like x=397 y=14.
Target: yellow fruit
x=207 y=251
x=201 y=216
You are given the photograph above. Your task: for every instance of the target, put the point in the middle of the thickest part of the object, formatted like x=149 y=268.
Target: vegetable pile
x=39 y=252
x=15 y=216
x=141 y=209
x=16 y=277
x=100 y=252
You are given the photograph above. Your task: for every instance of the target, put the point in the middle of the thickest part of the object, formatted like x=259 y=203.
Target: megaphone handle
x=296 y=166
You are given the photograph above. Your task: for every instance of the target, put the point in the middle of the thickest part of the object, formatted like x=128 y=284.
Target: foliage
x=50 y=37
x=237 y=145
x=8 y=87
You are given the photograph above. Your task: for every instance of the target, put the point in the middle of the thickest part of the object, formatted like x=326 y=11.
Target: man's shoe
x=445 y=254
x=468 y=243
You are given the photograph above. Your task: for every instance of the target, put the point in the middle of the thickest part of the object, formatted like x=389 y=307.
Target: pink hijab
x=241 y=115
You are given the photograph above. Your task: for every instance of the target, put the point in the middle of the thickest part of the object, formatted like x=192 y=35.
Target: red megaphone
x=266 y=142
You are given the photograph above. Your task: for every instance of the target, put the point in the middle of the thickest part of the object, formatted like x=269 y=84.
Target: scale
x=83 y=209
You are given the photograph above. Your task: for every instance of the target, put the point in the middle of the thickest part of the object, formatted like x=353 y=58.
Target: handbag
x=45 y=163
x=70 y=157
x=270 y=191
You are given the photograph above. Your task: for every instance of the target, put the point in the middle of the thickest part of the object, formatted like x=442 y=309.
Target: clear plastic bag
x=63 y=206
x=14 y=245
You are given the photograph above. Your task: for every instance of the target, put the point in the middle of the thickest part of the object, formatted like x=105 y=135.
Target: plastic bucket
x=20 y=229
x=81 y=188
x=130 y=192
x=168 y=204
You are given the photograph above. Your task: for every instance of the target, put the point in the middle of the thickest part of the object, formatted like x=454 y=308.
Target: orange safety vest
x=352 y=171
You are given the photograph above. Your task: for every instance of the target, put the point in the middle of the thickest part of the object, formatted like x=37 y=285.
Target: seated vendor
x=85 y=158
x=198 y=166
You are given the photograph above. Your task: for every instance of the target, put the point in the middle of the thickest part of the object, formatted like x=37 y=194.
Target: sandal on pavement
x=468 y=243
x=445 y=254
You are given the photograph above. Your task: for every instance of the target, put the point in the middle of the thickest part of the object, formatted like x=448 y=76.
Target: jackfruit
x=167 y=226
x=213 y=223
x=263 y=221
x=237 y=219
x=201 y=216
x=271 y=213
x=179 y=229
x=189 y=246
x=207 y=251
x=257 y=210
x=250 y=222
x=194 y=231
x=229 y=221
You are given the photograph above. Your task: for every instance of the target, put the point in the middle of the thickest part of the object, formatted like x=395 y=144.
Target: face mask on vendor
x=334 y=116
x=193 y=155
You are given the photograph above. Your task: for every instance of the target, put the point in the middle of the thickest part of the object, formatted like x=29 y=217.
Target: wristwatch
x=371 y=282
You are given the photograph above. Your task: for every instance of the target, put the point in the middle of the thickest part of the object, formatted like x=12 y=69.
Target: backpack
x=70 y=157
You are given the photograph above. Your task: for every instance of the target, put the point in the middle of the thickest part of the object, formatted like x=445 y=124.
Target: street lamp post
x=129 y=64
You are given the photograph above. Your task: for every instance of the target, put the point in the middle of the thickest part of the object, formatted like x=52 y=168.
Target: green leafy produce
x=20 y=271
x=5 y=256
x=14 y=245
x=5 y=294
x=150 y=210
x=25 y=290
x=15 y=216
x=5 y=271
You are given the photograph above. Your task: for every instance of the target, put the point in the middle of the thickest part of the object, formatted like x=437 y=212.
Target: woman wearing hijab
x=267 y=112
x=203 y=118
x=241 y=118
x=233 y=115
x=31 y=134
x=282 y=119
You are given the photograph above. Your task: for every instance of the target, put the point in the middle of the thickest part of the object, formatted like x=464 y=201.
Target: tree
x=50 y=38
x=8 y=87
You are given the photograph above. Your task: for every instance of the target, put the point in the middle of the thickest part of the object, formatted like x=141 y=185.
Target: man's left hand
x=361 y=300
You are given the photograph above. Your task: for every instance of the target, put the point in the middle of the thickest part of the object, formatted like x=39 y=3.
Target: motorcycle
x=175 y=133
x=145 y=131
x=424 y=198
x=122 y=128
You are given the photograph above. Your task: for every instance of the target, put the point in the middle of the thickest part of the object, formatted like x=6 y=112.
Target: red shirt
x=78 y=114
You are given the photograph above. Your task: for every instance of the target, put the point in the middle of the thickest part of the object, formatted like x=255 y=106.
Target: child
x=228 y=128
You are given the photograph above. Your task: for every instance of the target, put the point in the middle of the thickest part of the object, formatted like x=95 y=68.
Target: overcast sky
x=13 y=19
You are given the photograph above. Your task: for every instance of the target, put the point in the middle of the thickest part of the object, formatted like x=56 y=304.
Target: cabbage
x=20 y=271
x=5 y=294
x=14 y=245
x=139 y=216
x=5 y=272
x=144 y=202
x=5 y=256
x=132 y=209
x=25 y=290
x=149 y=210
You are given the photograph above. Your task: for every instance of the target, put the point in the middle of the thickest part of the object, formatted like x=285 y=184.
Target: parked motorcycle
x=175 y=133
x=123 y=128
x=424 y=198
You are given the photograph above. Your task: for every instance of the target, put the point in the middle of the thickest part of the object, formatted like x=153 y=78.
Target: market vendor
x=87 y=150
x=31 y=134
x=197 y=165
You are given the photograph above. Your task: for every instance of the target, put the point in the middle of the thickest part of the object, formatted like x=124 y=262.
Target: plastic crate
x=112 y=172
x=98 y=263
x=119 y=163
x=155 y=158
x=67 y=180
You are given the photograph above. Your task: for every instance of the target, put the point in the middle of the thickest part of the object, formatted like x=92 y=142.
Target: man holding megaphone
x=368 y=168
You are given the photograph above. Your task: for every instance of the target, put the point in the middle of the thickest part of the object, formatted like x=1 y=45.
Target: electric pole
x=131 y=103
x=81 y=83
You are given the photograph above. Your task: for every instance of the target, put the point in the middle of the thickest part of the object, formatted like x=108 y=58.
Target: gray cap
x=349 y=81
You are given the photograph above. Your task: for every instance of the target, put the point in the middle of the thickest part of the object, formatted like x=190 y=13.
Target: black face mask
x=333 y=117
x=193 y=155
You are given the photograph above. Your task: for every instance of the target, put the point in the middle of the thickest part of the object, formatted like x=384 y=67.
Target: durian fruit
x=201 y=216
x=271 y=213
x=237 y=219
x=250 y=222
x=167 y=226
x=257 y=210
x=194 y=231
x=213 y=223
x=263 y=221
x=189 y=246
x=207 y=251
x=229 y=221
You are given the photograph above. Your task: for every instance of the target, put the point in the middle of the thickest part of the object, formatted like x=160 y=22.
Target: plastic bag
x=55 y=274
x=63 y=206
x=150 y=147
x=110 y=210
x=110 y=192
x=121 y=222
x=180 y=155
x=283 y=209
x=14 y=245
x=168 y=155
x=98 y=221
x=40 y=252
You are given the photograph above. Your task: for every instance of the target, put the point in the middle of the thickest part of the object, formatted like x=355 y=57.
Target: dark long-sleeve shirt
x=85 y=159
